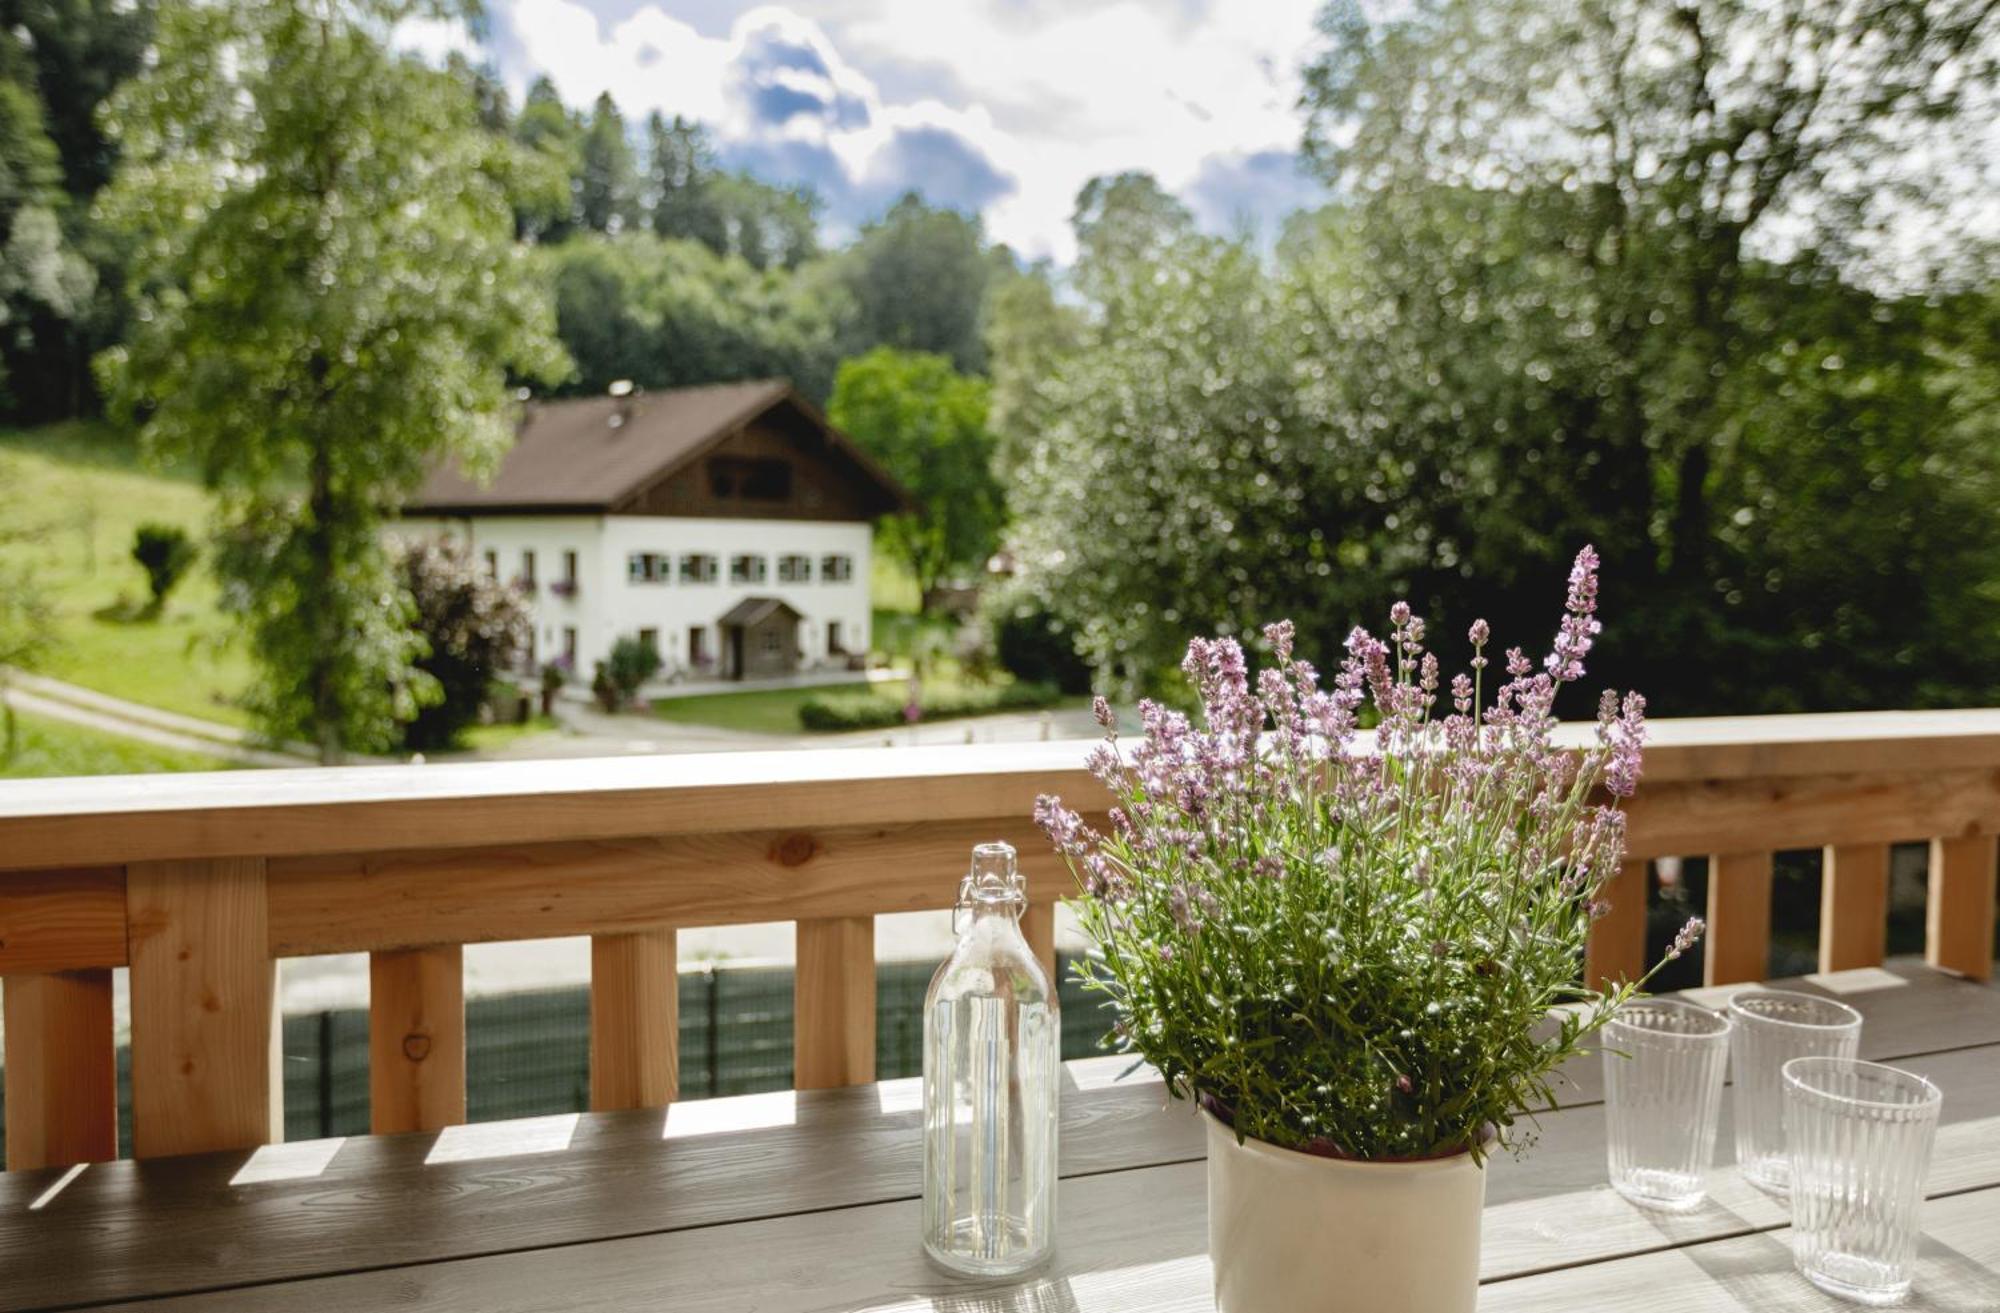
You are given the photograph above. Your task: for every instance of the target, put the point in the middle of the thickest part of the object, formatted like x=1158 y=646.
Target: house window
x=773 y=642
x=698 y=646
x=528 y=567
x=569 y=570
x=833 y=647
x=569 y=647
x=647 y=568
x=734 y=478
x=748 y=569
x=492 y=563
x=697 y=568
x=836 y=569
x=795 y=569
x=650 y=638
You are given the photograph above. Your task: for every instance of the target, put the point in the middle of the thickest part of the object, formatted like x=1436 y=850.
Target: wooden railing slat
x=1616 y=949
x=416 y=1038
x=1853 y=906
x=634 y=1020
x=205 y=1072
x=1665 y=819
x=833 y=1014
x=1959 y=910
x=1738 y=944
x=62 y=1076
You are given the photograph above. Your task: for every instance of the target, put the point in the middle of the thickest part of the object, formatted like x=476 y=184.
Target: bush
x=475 y=627
x=164 y=552
x=632 y=663
x=1030 y=645
x=836 y=711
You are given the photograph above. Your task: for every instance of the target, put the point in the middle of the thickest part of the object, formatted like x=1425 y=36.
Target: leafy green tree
x=672 y=313
x=332 y=302
x=26 y=616
x=474 y=627
x=1028 y=333
x=917 y=279
x=926 y=423
x=633 y=661
x=165 y=553
x=605 y=200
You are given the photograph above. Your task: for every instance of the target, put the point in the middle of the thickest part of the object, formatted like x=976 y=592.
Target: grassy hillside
x=53 y=747
x=82 y=489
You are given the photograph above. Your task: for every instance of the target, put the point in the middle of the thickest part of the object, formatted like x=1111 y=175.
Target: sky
x=1002 y=107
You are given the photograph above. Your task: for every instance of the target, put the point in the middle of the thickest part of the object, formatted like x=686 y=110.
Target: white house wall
x=608 y=606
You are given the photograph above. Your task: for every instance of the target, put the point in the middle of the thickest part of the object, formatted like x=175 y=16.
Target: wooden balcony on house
x=199 y=884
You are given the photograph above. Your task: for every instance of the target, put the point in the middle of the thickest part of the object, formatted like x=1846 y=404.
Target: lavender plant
x=1357 y=942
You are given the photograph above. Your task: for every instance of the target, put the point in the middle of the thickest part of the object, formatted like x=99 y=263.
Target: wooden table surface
x=807 y=1203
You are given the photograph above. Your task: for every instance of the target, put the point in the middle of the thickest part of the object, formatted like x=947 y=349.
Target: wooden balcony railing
x=199 y=883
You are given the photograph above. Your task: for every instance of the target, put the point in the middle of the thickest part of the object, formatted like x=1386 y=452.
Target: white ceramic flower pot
x=1293 y=1232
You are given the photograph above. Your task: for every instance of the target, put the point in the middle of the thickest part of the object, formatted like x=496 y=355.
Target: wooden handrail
x=199 y=883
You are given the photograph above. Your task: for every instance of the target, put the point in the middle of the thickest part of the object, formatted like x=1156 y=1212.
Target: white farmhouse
x=729 y=526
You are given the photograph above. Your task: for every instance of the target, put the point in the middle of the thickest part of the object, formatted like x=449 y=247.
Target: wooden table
x=792 y=1202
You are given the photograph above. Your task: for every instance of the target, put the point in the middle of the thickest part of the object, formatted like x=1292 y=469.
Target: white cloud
x=1025 y=109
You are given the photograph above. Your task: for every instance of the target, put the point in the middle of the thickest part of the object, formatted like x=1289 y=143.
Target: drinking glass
x=1773 y=1026
x=1663 y=1064
x=1861 y=1137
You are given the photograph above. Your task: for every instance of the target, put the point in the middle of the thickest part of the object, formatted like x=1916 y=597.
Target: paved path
x=237 y=748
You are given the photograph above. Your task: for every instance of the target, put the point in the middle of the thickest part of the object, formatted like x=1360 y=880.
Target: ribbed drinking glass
x=1773 y=1026
x=1861 y=1136
x=1663 y=1065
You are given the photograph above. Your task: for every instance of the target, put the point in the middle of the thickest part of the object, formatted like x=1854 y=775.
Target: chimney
x=623 y=393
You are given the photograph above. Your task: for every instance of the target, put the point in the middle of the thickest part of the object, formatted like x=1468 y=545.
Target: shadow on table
x=1757 y=1273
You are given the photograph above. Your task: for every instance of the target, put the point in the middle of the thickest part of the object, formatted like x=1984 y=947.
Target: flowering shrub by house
x=1351 y=941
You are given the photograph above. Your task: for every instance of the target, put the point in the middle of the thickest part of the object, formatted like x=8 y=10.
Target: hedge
x=834 y=711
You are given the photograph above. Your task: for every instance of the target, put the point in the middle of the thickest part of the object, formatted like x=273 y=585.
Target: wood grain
x=62 y=1077
x=125 y=1229
x=416 y=1039
x=204 y=1021
x=1853 y=906
x=833 y=1014
x=634 y=1020
x=1958 y=914
x=61 y=920
x=1616 y=949
x=473 y=895
x=1806 y=811
x=1737 y=946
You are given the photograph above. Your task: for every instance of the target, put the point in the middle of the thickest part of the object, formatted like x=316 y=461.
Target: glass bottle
x=991 y=1074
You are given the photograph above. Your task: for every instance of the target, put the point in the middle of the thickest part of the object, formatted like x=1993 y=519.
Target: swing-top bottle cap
x=993 y=878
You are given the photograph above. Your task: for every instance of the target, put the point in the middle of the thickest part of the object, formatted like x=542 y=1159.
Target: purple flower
x=1101 y=709
x=1685 y=939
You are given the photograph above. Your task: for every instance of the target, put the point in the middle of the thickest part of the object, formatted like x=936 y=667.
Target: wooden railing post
x=1959 y=910
x=634 y=1020
x=1616 y=949
x=62 y=1080
x=833 y=1015
x=416 y=1039
x=205 y=1070
x=1854 y=906
x=1738 y=946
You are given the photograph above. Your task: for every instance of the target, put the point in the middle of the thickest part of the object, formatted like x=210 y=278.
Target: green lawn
x=54 y=747
x=764 y=711
x=82 y=489
x=485 y=738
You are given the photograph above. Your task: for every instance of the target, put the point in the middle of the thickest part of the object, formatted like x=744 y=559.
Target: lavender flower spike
x=1685 y=939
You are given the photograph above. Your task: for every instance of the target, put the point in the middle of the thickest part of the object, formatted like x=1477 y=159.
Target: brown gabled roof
x=752 y=611
x=570 y=456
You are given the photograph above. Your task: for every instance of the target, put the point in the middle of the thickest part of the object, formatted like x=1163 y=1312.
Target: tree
x=604 y=183
x=917 y=278
x=552 y=138
x=473 y=627
x=926 y=423
x=633 y=662
x=332 y=302
x=1028 y=333
x=671 y=313
x=26 y=616
x=164 y=552
x=680 y=176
